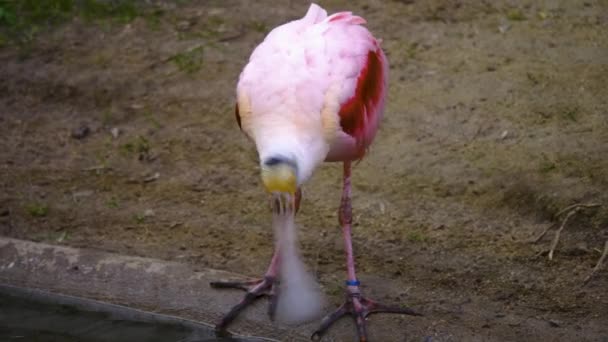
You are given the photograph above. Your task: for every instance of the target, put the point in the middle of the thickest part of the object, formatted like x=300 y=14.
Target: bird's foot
x=359 y=308
x=267 y=286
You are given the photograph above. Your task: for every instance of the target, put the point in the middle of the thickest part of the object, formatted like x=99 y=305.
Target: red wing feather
x=357 y=113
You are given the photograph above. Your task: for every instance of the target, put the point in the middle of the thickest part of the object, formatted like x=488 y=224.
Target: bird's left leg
x=355 y=305
x=255 y=289
x=267 y=285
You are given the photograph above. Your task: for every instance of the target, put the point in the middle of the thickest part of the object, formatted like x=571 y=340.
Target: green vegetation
x=106 y=117
x=515 y=14
x=333 y=289
x=140 y=146
x=63 y=236
x=259 y=26
x=21 y=20
x=571 y=114
x=153 y=121
x=120 y=10
x=139 y=218
x=112 y=203
x=153 y=18
x=416 y=236
x=547 y=165
x=412 y=49
x=37 y=209
x=189 y=61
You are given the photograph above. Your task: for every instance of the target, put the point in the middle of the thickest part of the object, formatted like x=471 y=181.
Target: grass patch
x=63 y=236
x=123 y=11
x=154 y=18
x=189 y=61
x=106 y=117
x=259 y=26
x=571 y=114
x=153 y=121
x=37 y=209
x=139 y=218
x=547 y=166
x=412 y=50
x=213 y=26
x=139 y=145
x=515 y=14
x=416 y=236
x=101 y=60
x=112 y=203
x=21 y=20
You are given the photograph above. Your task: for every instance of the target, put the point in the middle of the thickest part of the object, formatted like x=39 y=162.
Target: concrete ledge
x=157 y=286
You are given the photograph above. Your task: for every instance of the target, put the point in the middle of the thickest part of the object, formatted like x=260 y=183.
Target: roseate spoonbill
x=313 y=91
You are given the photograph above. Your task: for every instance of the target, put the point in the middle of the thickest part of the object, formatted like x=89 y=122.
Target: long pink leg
x=355 y=305
x=345 y=217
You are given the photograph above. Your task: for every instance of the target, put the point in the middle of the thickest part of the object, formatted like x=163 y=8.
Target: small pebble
x=81 y=132
x=183 y=25
x=504 y=28
x=152 y=177
x=83 y=194
x=115 y=131
x=555 y=323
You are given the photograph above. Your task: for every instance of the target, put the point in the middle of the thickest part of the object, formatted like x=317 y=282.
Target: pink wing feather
x=290 y=72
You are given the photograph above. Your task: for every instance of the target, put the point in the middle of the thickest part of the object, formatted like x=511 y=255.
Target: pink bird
x=313 y=91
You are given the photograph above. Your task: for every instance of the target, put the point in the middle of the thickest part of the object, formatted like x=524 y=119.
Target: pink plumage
x=312 y=91
x=303 y=66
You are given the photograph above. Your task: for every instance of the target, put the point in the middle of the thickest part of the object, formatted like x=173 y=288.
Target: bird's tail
x=315 y=14
x=346 y=17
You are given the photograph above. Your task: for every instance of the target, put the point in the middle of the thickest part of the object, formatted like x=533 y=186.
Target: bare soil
x=122 y=137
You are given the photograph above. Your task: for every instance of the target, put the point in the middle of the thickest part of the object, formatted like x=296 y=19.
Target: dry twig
x=570 y=210
x=599 y=264
x=576 y=206
x=567 y=209
x=97 y=168
x=544 y=232
x=559 y=232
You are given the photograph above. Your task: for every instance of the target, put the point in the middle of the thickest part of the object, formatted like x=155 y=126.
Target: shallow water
x=35 y=316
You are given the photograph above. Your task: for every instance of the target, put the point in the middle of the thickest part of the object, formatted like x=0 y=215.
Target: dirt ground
x=121 y=136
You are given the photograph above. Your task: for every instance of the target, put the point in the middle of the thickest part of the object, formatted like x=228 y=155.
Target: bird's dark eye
x=273 y=161
x=279 y=159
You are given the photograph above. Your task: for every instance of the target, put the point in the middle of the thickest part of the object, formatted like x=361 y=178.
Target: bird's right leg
x=355 y=305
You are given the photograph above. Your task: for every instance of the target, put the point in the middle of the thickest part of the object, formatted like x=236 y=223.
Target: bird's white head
x=288 y=155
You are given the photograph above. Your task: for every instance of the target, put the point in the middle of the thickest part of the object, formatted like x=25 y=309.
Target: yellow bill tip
x=279 y=178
